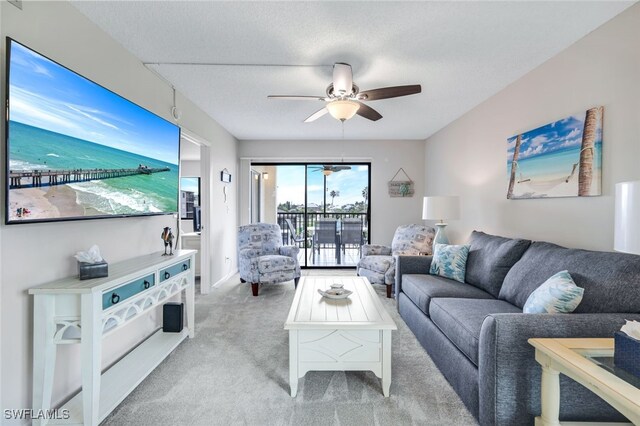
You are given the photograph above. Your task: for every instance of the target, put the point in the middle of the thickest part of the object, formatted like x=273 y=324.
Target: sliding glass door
x=322 y=208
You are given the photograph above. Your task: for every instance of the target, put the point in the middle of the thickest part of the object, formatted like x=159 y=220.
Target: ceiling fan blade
x=389 y=92
x=342 y=79
x=297 y=98
x=338 y=168
x=316 y=115
x=367 y=112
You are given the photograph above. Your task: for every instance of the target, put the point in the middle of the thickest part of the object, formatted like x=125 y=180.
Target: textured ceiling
x=460 y=52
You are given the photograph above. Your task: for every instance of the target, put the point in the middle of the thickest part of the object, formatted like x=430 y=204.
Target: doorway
x=323 y=208
x=194 y=218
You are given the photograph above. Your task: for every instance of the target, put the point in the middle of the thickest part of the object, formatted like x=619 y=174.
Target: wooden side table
x=574 y=359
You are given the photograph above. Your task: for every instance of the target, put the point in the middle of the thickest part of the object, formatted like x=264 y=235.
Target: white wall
x=190 y=168
x=268 y=207
x=386 y=158
x=36 y=253
x=468 y=157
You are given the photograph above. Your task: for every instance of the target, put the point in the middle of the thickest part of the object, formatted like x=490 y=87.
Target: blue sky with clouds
x=553 y=137
x=46 y=95
x=191 y=184
x=349 y=183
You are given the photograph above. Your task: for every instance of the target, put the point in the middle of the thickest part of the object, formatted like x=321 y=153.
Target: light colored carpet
x=235 y=371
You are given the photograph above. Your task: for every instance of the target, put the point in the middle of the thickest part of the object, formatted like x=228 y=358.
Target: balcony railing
x=297 y=220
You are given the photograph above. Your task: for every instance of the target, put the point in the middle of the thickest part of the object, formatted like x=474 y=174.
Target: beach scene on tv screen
x=76 y=149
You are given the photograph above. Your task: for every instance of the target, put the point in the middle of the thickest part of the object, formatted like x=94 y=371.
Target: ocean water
x=553 y=165
x=32 y=148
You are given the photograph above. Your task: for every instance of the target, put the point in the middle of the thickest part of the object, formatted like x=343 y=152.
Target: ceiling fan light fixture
x=343 y=109
x=327 y=172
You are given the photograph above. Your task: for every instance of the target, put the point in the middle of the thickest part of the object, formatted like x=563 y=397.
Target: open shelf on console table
x=72 y=311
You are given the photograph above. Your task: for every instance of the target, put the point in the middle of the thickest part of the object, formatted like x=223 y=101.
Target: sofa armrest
x=375 y=249
x=410 y=265
x=509 y=376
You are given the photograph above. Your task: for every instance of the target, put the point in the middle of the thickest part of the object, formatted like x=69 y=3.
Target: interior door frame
x=206 y=180
x=306 y=164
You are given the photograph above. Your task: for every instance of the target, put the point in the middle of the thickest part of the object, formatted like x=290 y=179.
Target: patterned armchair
x=262 y=257
x=378 y=263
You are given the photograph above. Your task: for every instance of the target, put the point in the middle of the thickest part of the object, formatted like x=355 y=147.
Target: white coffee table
x=338 y=335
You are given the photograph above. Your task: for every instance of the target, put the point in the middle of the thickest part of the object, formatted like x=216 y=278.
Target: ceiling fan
x=328 y=169
x=344 y=98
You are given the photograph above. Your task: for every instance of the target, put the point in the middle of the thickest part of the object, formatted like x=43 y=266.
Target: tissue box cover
x=93 y=270
x=626 y=354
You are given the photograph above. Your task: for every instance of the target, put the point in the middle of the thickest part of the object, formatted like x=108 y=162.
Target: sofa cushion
x=490 y=258
x=275 y=263
x=611 y=281
x=421 y=288
x=461 y=320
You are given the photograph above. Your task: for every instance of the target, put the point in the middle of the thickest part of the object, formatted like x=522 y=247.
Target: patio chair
x=351 y=233
x=378 y=263
x=293 y=234
x=325 y=234
x=263 y=259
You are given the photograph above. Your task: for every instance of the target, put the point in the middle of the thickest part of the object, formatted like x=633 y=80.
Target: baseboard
x=223 y=279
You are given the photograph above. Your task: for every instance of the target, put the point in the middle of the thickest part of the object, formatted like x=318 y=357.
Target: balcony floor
x=327 y=257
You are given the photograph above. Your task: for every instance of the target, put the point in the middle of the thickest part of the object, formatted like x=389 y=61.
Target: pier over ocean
x=62 y=177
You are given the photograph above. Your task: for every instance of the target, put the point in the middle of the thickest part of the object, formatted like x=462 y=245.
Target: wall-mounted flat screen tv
x=75 y=150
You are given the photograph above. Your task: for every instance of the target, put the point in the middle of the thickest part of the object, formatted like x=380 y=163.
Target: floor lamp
x=627 y=221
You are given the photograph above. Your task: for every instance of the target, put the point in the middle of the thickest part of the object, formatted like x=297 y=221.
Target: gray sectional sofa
x=476 y=333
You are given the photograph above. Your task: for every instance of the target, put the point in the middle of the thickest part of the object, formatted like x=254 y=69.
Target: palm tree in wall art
x=560 y=159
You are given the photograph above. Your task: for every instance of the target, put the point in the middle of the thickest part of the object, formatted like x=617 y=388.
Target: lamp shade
x=441 y=208
x=627 y=221
x=343 y=109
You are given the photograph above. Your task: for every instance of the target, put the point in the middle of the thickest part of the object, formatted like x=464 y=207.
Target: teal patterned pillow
x=557 y=295
x=449 y=261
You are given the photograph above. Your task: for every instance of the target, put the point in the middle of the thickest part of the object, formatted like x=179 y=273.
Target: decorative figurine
x=167 y=237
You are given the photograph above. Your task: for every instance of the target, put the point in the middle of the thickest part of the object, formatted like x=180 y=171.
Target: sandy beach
x=65 y=201
x=553 y=186
x=46 y=203
x=32 y=199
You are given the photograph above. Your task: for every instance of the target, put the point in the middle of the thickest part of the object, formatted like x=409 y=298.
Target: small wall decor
x=225 y=176
x=167 y=238
x=401 y=188
x=560 y=159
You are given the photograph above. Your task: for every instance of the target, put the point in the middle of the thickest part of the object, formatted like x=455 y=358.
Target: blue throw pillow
x=449 y=261
x=557 y=295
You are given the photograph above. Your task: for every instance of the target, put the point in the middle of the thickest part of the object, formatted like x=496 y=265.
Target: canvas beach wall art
x=559 y=159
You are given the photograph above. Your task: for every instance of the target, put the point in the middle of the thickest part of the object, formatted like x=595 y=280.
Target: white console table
x=71 y=311
x=191 y=241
